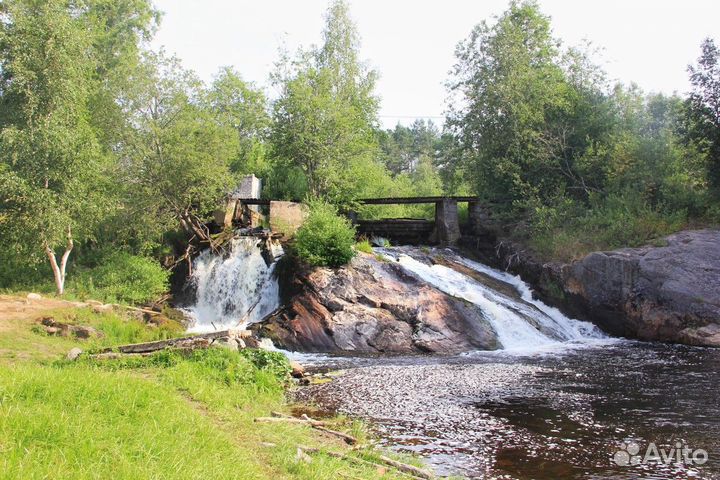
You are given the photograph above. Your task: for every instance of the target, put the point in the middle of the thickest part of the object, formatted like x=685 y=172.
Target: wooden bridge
x=444 y=229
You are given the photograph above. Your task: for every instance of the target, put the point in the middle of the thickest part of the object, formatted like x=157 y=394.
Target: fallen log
x=316 y=424
x=288 y=420
x=349 y=439
x=202 y=340
x=410 y=470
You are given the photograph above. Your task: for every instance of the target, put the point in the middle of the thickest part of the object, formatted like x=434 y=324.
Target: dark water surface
x=555 y=415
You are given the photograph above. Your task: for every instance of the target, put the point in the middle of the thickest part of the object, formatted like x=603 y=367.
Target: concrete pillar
x=476 y=217
x=224 y=217
x=447 y=223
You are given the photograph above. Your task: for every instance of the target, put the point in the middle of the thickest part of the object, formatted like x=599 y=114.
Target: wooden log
x=349 y=439
x=289 y=420
x=404 y=467
x=202 y=340
x=410 y=470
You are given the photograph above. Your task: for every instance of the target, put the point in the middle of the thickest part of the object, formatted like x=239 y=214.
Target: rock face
x=372 y=306
x=667 y=293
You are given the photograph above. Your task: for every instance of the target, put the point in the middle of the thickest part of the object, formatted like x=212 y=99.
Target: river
x=562 y=413
x=559 y=400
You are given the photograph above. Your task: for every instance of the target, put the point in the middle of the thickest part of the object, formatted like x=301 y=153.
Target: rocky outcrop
x=372 y=306
x=665 y=293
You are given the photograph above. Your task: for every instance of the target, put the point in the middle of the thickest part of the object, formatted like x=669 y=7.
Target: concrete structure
x=447 y=222
x=250 y=187
x=287 y=217
x=444 y=230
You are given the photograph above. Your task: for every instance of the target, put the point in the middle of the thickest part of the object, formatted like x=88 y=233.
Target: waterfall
x=233 y=290
x=520 y=321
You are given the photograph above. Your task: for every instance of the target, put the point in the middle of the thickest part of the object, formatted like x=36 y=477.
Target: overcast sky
x=411 y=43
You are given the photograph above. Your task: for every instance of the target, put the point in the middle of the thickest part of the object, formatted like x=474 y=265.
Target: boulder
x=373 y=306
x=668 y=292
x=298 y=371
x=74 y=354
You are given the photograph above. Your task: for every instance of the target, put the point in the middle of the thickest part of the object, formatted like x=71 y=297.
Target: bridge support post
x=476 y=217
x=447 y=223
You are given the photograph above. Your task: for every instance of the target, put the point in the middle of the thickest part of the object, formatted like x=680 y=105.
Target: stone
x=47 y=321
x=84 y=332
x=34 y=296
x=668 y=293
x=74 y=354
x=384 y=310
x=447 y=222
x=102 y=308
x=298 y=371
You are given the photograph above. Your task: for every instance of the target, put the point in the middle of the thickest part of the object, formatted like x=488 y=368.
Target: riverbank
x=164 y=416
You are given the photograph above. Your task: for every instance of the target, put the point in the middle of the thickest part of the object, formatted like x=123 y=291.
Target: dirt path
x=13 y=307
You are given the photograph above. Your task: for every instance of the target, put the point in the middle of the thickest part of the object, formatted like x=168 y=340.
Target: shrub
x=121 y=277
x=325 y=239
x=364 y=246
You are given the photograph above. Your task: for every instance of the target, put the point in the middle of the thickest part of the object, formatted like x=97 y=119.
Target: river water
x=549 y=415
x=560 y=400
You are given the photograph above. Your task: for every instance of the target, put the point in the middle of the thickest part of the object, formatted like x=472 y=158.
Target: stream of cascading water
x=521 y=323
x=235 y=289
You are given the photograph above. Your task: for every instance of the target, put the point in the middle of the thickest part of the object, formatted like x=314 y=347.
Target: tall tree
x=239 y=105
x=524 y=112
x=703 y=110
x=325 y=118
x=50 y=157
x=175 y=154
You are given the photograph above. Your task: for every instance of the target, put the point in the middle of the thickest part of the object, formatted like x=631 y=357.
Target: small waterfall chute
x=235 y=289
x=519 y=323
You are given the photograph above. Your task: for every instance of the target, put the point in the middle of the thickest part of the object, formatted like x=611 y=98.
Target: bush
x=364 y=246
x=325 y=239
x=121 y=277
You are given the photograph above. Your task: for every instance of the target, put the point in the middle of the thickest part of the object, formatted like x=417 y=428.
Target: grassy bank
x=164 y=416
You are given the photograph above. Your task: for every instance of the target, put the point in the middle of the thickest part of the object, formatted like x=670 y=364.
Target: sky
x=411 y=43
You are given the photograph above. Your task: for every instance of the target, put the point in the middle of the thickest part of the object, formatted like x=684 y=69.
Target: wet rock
x=298 y=371
x=373 y=306
x=665 y=293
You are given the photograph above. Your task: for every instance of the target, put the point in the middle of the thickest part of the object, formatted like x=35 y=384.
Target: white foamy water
x=520 y=325
x=233 y=290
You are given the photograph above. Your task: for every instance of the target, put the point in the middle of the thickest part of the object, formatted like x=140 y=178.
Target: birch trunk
x=59 y=270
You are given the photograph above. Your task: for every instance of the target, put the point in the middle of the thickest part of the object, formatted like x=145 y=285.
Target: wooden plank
x=413 y=200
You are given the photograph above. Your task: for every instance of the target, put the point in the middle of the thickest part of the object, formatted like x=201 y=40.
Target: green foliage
x=324 y=121
x=702 y=122
x=364 y=246
x=121 y=277
x=567 y=232
x=274 y=363
x=325 y=238
x=539 y=133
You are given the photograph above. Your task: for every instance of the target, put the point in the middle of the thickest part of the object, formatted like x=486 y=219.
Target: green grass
x=165 y=416
x=364 y=246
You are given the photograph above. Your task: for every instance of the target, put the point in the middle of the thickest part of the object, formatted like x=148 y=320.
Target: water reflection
x=551 y=416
